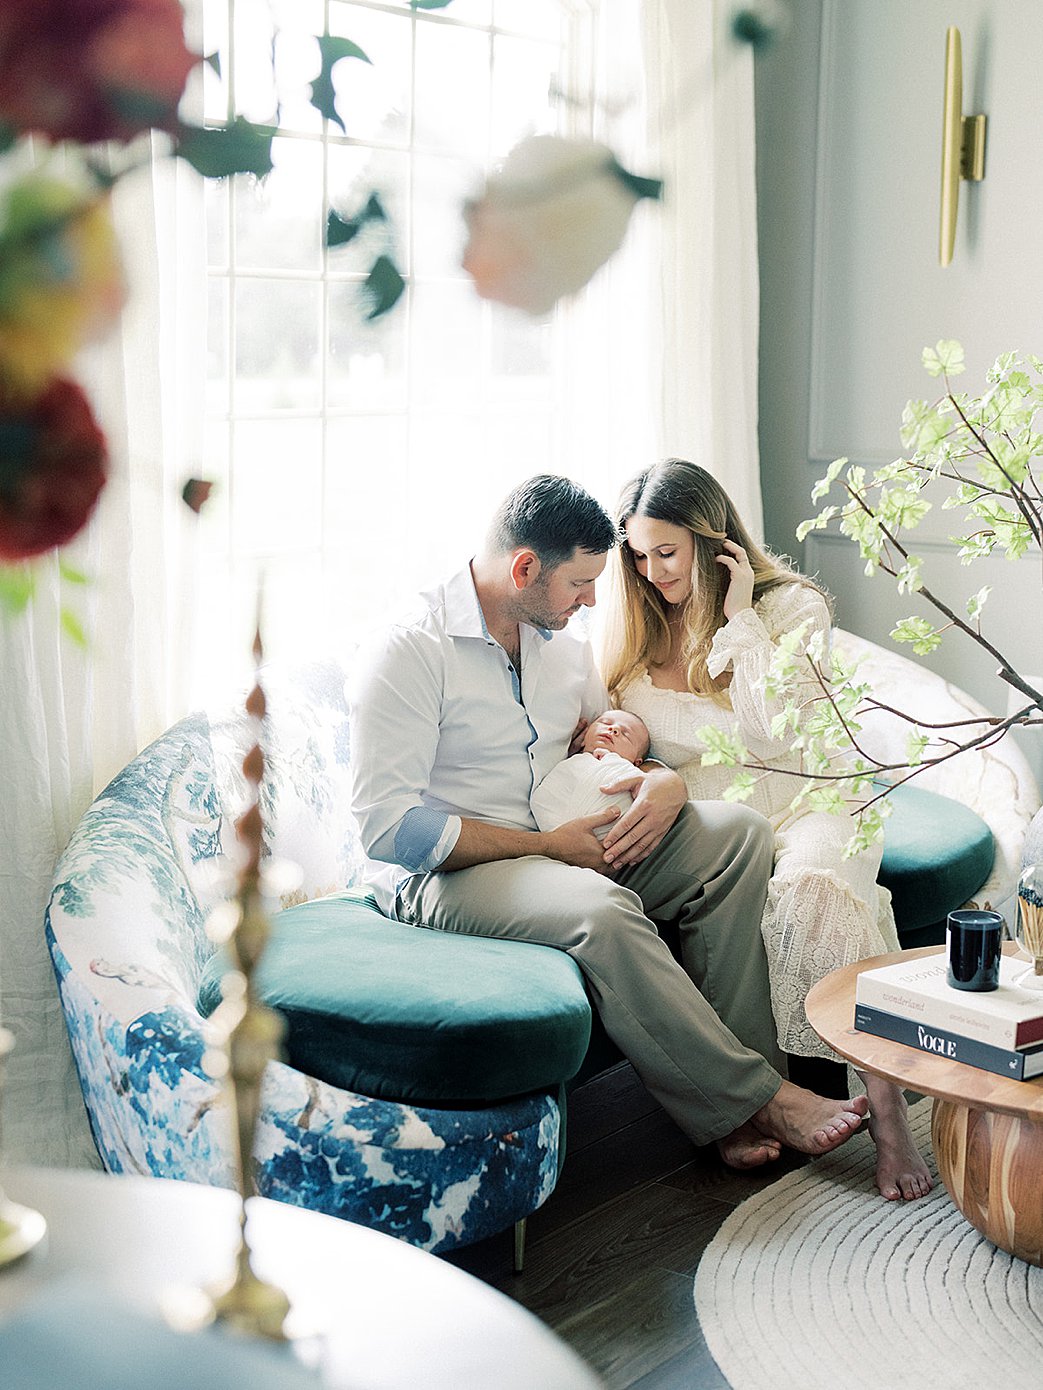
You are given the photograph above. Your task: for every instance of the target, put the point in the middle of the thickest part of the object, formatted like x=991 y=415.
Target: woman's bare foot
x=747 y=1147
x=807 y=1122
x=901 y=1173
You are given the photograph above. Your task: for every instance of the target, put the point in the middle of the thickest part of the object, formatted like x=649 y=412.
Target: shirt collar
x=463 y=612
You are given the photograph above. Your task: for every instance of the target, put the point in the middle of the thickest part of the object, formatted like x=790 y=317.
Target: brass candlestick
x=20 y=1227
x=250 y=1034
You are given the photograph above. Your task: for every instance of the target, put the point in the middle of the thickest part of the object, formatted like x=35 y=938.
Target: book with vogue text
x=1018 y=1065
x=917 y=989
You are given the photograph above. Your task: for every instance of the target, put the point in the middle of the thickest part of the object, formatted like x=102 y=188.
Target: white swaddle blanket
x=573 y=789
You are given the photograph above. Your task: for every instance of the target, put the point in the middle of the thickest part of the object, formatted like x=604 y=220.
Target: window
x=357 y=459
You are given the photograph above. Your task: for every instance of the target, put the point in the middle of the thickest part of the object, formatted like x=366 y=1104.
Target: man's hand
x=658 y=796
x=575 y=842
x=576 y=741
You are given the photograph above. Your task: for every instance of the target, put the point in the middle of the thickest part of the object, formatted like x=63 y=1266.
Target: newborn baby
x=614 y=744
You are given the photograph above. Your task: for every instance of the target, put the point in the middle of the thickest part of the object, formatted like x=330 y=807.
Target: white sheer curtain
x=660 y=357
x=700 y=101
x=70 y=717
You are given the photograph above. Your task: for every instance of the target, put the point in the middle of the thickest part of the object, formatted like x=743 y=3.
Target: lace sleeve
x=747 y=644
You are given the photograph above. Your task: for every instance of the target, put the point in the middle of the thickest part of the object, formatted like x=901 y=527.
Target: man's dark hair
x=552 y=516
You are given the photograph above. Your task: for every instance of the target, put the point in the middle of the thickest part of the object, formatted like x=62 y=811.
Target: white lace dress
x=823 y=911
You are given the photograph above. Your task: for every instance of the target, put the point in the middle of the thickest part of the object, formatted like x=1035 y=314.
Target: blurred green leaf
x=214 y=61
x=73 y=628
x=824 y=484
x=945 y=358
x=637 y=184
x=977 y=601
x=383 y=286
x=70 y=574
x=323 y=93
x=239 y=148
x=817 y=523
x=429 y=4
x=908 y=577
x=341 y=230
x=721 y=746
x=915 y=747
x=16 y=587
x=741 y=787
x=374 y=209
x=917 y=631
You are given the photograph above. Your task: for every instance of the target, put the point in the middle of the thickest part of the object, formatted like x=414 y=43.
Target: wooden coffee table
x=987 y=1130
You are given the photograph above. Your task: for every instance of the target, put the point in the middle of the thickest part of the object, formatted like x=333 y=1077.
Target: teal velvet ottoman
x=457 y=1033
x=937 y=854
x=410 y=1014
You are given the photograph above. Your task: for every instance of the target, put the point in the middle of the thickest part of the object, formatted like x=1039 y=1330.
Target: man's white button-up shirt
x=443 y=727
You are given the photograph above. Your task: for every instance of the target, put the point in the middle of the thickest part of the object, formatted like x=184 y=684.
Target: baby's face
x=620 y=733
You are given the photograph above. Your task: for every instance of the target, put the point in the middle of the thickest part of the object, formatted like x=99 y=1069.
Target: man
x=457 y=714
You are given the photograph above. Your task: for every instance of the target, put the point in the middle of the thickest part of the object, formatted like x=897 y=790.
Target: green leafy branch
x=987 y=451
x=989 y=447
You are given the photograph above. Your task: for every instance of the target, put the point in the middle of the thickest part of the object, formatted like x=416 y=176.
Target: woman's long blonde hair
x=637 y=632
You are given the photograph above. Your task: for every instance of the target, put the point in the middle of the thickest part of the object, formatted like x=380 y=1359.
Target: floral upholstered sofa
x=126 y=927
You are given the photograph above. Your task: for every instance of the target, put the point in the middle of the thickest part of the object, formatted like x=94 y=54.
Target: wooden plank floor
x=612 y=1255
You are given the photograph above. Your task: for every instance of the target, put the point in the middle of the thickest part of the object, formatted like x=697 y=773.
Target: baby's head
x=618 y=732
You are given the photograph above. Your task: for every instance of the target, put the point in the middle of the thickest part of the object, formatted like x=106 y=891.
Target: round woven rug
x=816 y=1283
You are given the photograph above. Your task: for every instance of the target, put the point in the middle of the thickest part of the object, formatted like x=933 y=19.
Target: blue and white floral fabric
x=126 y=930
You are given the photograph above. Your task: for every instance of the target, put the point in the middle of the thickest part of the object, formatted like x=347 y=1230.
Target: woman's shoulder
x=792 y=602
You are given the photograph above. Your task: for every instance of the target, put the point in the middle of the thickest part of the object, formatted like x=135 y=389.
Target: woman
x=697 y=613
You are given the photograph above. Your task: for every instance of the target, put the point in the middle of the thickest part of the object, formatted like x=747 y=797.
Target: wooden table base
x=987 y=1130
x=991 y=1165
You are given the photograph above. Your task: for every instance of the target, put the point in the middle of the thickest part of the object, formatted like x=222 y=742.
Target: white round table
x=385 y=1314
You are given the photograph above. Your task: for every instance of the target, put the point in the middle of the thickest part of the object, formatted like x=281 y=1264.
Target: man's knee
x=598 y=897
x=754 y=830
x=738 y=829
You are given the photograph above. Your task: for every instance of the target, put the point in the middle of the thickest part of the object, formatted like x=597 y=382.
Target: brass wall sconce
x=963 y=145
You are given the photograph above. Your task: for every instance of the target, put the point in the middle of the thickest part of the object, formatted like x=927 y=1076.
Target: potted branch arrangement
x=984 y=453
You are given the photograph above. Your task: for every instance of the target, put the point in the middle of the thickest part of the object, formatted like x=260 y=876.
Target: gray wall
x=848 y=136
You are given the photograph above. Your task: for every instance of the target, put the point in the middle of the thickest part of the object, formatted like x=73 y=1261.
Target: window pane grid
x=335 y=441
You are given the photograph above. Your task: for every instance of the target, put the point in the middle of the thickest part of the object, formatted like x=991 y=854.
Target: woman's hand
x=576 y=742
x=658 y=796
x=740 y=582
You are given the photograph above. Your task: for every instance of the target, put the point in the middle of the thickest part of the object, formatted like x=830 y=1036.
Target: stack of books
x=1000 y=1030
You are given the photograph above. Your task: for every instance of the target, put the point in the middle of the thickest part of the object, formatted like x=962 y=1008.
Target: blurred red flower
x=91 y=69
x=52 y=468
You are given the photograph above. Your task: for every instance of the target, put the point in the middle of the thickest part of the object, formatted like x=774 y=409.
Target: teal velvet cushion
x=410 y=1014
x=937 y=854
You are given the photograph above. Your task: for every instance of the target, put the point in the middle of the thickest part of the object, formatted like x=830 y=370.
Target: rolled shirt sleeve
x=425 y=838
x=395 y=701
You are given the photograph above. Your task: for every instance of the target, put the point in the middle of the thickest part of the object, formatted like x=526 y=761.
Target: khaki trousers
x=697 y=1033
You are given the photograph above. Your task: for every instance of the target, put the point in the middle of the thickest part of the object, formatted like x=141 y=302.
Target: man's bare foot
x=901 y=1172
x=807 y=1122
x=747 y=1147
